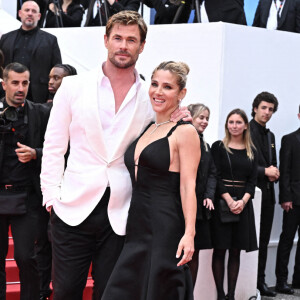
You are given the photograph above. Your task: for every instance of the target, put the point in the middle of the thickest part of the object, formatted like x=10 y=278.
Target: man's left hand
x=181 y=113
x=287 y=206
x=25 y=153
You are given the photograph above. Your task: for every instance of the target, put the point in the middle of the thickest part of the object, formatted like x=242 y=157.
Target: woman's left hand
x=238 y=208
x=208 y=204
x=53 y=7
x=181 y=113
x=186 y=245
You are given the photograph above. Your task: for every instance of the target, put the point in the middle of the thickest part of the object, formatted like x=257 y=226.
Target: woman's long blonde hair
x=246 y=134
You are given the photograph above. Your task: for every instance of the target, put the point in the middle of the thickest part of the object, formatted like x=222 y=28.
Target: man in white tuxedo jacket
x=99 y=114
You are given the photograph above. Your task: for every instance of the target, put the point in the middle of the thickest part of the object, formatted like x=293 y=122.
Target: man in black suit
x=278 y=14
x=263 y=107
x=22 y=128
x=229 y=11
x=34 y=48
x=289 y=198
x=112 y=7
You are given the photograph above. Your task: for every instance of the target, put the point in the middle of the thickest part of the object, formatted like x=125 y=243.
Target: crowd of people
x=130 y=184
x=275 y=15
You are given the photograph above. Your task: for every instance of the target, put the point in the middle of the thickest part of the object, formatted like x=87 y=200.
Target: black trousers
x=266 y=222
x=75 y=247
x=290 y=225
x=23 y=228
x=44 y=252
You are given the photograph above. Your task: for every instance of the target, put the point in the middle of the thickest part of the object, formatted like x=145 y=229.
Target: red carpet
x=12 y=277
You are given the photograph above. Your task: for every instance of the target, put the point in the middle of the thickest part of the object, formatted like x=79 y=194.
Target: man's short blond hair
x=127 y=17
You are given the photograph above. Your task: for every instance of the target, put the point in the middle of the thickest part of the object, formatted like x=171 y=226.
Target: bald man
x=36 y=49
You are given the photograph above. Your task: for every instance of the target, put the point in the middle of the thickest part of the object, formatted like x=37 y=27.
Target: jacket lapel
x=11 y=46
x=93 y=127
x=284 y=13
x=38 y=40
x=298 y=135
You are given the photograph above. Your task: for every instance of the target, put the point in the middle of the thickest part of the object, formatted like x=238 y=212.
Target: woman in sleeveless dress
x=236 y=162
x=160 y=229
x=205 y=187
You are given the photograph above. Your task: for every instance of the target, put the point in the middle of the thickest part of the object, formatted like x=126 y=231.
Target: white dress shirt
x=113 y=124
x=203 y=14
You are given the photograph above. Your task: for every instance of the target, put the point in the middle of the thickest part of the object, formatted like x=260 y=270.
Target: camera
x=7 y=116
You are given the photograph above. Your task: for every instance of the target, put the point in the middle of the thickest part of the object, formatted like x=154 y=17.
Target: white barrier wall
x=229 y=64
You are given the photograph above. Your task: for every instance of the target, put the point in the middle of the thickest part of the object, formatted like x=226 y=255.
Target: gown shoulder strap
x=178 y=124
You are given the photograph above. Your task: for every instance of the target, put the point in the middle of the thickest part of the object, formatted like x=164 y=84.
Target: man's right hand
x=272 y=173
x=49 y=209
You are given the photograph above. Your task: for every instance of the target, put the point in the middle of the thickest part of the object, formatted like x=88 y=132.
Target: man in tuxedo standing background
x=278 y=15
x=36 y=49
x=289 y=198
x=263 y=107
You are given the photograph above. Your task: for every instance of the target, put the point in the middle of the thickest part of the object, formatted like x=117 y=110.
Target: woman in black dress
x=236 y=164
x=205 y=187
x=71 y=13
x=160 y=230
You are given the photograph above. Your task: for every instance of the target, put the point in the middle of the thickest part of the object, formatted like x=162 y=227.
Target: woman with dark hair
x=205 y=187
x=70 y=13
x=233 y=225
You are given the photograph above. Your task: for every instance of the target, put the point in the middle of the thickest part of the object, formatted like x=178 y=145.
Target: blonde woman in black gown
x=205 y=187
x=234 y=153
x=160 y=229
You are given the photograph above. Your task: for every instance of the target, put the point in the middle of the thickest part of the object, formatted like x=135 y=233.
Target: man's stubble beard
x=122 y=65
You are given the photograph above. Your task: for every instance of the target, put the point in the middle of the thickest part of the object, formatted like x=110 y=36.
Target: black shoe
x=283 y=288
x=45 y=296
x=265 y=290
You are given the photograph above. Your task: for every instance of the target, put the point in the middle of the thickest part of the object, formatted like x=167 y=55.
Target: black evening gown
x=147 y=266
x=242 y=234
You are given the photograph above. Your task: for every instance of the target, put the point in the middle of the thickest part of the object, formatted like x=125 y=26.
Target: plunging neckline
x=136 y=162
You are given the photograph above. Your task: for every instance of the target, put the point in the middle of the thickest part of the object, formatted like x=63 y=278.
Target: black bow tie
x=266 y=130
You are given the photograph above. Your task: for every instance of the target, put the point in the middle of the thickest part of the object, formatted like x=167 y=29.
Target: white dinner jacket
x=76 y=191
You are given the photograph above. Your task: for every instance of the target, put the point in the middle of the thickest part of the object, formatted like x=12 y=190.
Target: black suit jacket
x=72 y=18
x=206 y=181
x=45 y=56
x=290 y=15
x=112 y=9
x=289 y=182
x=38 y=115
x=229 y=11
x=264 y=162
